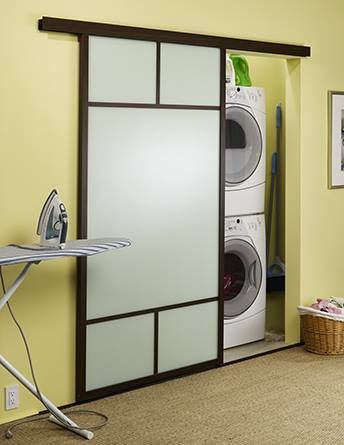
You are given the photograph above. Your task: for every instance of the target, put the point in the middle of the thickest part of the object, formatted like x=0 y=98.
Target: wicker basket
x=322 y=335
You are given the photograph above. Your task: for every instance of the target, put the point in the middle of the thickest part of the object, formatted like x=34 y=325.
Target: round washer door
x=243 y=277
x=244 y=145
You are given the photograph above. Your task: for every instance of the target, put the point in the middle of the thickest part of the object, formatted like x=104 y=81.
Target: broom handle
x=273 y=187
x=271 y=203
x=278 y=150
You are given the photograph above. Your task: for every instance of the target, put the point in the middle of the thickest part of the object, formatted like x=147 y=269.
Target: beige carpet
x=289 y=397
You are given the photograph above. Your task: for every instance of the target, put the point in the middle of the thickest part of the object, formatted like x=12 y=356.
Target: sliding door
x=150 y=159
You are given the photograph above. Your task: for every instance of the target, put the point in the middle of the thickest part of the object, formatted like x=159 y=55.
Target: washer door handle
x=252 y=274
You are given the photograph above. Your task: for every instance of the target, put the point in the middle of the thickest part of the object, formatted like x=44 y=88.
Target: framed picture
x=336 y=139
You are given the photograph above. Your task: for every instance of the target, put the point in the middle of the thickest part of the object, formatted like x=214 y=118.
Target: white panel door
x=119 y=350
x=121 y=70
x=188 y=335
x=153 y=177
x=190 y=75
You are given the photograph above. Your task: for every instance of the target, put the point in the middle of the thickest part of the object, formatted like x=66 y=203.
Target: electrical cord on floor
x=9 y=432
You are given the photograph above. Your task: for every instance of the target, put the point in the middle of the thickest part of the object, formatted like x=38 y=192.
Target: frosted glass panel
x=122 y=70
x=153 y=177
x=189 y=75
x=119 y=350
x=187 y=336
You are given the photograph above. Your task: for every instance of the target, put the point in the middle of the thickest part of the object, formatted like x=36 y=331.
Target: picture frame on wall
x=335 y=139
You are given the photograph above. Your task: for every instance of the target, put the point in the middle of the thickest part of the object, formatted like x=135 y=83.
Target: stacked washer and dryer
x=245 y=246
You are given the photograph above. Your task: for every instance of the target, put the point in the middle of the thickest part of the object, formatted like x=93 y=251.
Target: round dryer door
x=244 y=145
x=243 y=277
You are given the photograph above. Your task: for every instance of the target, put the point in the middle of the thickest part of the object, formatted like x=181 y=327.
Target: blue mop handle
x=274 y=169
x=274 y=160
x=274 y=163
x=278 y=116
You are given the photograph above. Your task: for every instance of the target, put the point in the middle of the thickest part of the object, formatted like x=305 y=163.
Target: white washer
x=245 y=150
x=244 y=280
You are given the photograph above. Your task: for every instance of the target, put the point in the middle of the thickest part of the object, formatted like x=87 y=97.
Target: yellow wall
x=38 y=128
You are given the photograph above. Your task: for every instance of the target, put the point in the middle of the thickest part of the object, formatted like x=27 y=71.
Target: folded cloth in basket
x=307 y=310
x=331 y=306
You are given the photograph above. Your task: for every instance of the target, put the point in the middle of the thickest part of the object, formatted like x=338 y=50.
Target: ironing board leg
x=17 y=282
x=84 y=433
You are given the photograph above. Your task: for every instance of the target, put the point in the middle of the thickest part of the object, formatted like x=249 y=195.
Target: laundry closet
x=152 y=168
x=254 y=276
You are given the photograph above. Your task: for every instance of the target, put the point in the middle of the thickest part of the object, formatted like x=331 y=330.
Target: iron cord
x=19 y=246
x=9 y=431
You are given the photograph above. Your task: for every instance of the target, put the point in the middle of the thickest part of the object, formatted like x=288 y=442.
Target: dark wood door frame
x=109 y=30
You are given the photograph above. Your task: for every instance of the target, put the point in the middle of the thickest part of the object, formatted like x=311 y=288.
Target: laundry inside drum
x=234 y=276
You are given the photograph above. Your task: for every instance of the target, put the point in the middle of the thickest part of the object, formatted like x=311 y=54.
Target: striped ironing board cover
x=32 y=253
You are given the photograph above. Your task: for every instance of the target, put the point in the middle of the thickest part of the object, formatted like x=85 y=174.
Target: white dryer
x=244 y=280
x=245 y=156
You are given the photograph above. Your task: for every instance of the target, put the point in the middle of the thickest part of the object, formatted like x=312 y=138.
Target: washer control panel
x=242 y=225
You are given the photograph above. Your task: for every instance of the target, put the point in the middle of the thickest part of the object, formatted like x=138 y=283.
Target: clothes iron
x=53 y=222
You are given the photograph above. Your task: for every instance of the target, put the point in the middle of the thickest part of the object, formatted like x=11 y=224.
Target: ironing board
x=34 y=254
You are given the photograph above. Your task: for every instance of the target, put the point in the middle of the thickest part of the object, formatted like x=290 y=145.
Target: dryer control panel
x=253 y=97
